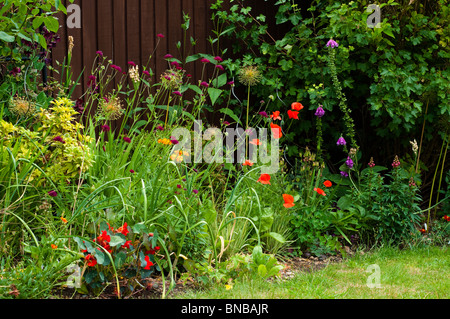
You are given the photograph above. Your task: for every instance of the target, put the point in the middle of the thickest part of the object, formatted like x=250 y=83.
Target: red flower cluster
x=447 y=218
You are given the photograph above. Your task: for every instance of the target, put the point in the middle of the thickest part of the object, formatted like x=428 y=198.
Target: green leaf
x=277 y=237
x=231 y=114
x=6 y=37
x=117 y=240
x=52 y=24
x=214 y=94
x=262 y=270
x=120 y=259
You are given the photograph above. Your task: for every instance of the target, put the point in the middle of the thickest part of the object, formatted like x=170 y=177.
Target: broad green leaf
x=6 y=37
x=214 y=94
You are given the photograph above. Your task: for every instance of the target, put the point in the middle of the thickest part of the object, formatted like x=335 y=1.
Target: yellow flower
x=228 y=287
x=178 y=156
x=249 y=75
x=111 y=108
x=21 y=107
x=164 y=141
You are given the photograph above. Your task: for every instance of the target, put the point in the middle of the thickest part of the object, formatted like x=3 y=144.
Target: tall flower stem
x=342 y=99
x=246 y=125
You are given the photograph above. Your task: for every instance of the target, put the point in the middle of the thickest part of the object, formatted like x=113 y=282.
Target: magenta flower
x=195 y=191
x=263 y=113
x=188 y=75
x=341 y=141
x=218 y=59
x=204 y=60
x=160 y=128
x=349 y=162
x=99 y=53
x=226 y=123
x=204 y=84
x=319 y=112
x=131 y=63
x=132 y=171
x=168 y=56
x=344 y=174
x=174 y=141
x=127 y=139
x=218 y=66
x=331 y=43
x=105 y=128
x=59 y=139
x=15 y=71
x=160 y=35
x=91 y=81
x=116 y=67
x=175 y=63
x=146 y=73
x=178 y=186
x=53 y=193
x=231 y=83
x=177 y=93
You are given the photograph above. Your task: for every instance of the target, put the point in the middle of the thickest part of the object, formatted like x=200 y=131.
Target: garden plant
x=333 y=137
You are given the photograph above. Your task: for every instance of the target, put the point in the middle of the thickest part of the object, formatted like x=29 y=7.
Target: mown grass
x=419 y=273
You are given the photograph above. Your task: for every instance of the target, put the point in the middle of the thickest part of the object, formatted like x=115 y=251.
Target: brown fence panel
x=126 y=30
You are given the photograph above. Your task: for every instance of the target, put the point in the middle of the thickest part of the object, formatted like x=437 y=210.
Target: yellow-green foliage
x=61 y=159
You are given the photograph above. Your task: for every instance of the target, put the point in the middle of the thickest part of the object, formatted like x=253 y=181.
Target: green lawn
x=404 y=274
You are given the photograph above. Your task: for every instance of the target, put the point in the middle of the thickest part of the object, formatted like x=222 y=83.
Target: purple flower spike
x=344 y=174
x=319 y=112
x=349 y=162
x=341 y=141
x=333 y=44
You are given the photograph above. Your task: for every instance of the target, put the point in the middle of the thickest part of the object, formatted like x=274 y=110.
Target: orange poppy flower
x=276 y=115
x=288 y=200
x=264 y=179
x=292 y=114
x=423 y=231
x=297 y=106
x=320 y=191
x=276 y=130
x=248 y=163
x=327 y=184
x=54 y=246
x=64 y=220
x=255 y=141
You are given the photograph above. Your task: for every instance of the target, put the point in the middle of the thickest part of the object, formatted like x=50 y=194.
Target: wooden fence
x=126 y=30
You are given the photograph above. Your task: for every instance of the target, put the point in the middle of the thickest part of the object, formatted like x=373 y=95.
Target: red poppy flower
x=288 y=200
x=91 y=260
x=127 y=244
x=104 y=238
x=276 y=130
x=447 y=218
x=423 y=231
x=247 y=163
x=320 y=191
x=297 y=106
x=123 y=229
x=327 y=183
x=264 y=179
x=149 y=263
x=255 y=141
x=293 y=114
x=276 y=115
